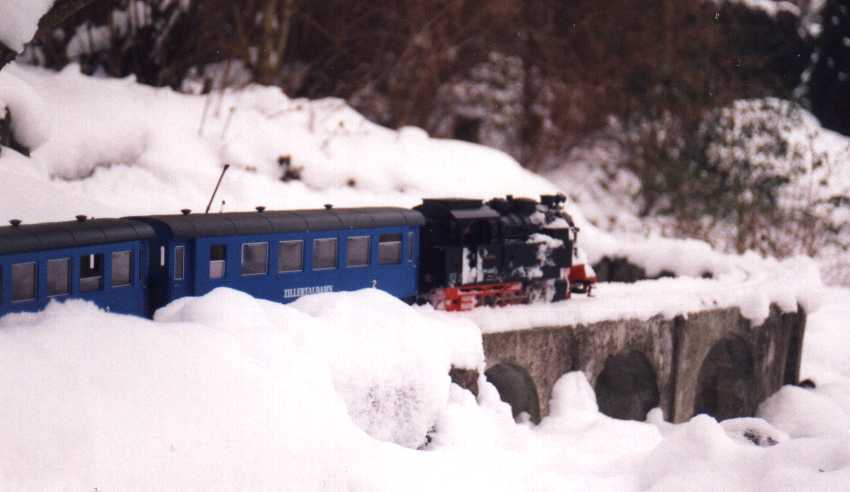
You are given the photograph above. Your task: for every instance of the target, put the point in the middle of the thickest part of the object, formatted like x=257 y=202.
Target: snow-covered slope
x=336 y=391
x=136 y=149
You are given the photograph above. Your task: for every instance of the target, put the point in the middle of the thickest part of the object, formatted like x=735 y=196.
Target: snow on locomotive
x=505 y=251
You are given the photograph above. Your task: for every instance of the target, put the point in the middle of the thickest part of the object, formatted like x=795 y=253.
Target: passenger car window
x=218 y=261
x=179 y=257
x=57 y=276
x=389 y=249
x=122 y=268
x=290 y=256
x=358 y=251
x=91 y=273
x=324 y=253
x=255 y=258
x=23 y=281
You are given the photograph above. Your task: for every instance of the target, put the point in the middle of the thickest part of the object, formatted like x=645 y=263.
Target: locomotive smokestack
x=260 y=208
x=185 y=211
x=328 y=206
x=15 y=222
x=81 y=218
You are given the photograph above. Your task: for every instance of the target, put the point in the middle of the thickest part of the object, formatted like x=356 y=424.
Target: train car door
x=157 y=275
x=142 y=274
x=179 y=270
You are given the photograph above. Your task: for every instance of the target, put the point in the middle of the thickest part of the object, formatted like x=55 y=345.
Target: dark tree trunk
x=6 y=55
x=829 y=84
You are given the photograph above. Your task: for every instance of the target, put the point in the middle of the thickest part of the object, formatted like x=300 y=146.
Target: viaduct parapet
x=713 y=362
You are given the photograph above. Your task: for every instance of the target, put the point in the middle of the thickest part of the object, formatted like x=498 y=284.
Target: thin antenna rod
x=226 y=167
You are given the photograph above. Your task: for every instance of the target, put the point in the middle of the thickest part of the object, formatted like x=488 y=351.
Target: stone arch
x=627 y=387
x=516 y=388
x=726 y=381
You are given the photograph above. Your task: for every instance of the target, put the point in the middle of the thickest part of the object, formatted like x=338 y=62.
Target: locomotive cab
x=459 y=243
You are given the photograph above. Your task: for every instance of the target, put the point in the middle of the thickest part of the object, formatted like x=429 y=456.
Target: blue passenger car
x=102 y=260
x=283 y=255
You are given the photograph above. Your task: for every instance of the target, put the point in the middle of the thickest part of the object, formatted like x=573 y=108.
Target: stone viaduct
x=713 y=362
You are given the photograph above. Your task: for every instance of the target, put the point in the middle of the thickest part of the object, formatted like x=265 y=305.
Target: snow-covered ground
x=337 y=391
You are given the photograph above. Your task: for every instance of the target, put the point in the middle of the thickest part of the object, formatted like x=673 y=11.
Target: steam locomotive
x=454 y=253
x=507 y=251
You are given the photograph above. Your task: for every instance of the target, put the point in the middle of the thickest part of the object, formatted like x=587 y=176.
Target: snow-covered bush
x=503 y=102
x=484 y=104
x=758 y=174
x=771 y=177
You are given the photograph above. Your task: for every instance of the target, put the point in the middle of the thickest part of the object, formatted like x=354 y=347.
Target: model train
x=454 y=253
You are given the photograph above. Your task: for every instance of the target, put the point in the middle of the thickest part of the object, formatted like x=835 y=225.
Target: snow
x=226 y=392
x=752 y=287
x=338 y=391
x=610 y=223
x=824 y=352
x=770 y=7
x=805 y=413
x=699 y=455
x=20 y=21
x=656 y=254
x=548 y=242
x=115 y=137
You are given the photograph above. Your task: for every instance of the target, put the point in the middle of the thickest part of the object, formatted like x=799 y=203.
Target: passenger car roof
x=26 y=238
x=270 y=222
